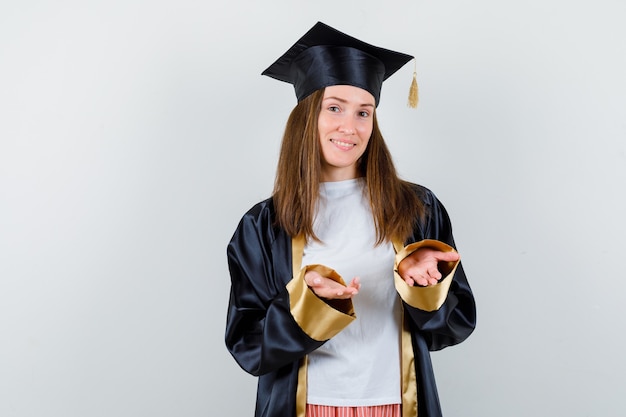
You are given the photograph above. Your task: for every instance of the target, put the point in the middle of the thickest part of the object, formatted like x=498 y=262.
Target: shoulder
x=435 y=224
x=425 y=194
x=261 y=209
x=261 y=215
x=259 y=222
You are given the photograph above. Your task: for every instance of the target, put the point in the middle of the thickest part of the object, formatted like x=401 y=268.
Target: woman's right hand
x=327 y=288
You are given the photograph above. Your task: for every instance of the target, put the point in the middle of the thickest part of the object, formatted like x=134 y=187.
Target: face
x=345 y=125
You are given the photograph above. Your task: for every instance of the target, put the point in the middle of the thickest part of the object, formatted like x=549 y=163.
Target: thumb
x=449 y=256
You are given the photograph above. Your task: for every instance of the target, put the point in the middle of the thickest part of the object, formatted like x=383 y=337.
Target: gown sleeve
x=443 y=314
x=273 y=318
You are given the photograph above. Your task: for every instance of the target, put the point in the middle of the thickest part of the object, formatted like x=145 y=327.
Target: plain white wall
x=134 y=134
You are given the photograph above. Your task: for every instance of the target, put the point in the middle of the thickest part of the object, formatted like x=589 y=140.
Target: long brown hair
x=395 y=205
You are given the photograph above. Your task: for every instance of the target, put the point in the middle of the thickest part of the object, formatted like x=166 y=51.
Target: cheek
x=323 y=125
x=366 y=129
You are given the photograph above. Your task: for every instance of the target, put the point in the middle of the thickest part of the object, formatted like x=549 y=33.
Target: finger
x=434 y=273
x=312 y=279
x=448 y=256
x=429 y=277
x=422 y=281
x=331 y=294
x=345 y=294
x=350 y=291
x=427 y=280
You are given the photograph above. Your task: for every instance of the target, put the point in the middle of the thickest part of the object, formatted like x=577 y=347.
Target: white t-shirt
x=360 y=366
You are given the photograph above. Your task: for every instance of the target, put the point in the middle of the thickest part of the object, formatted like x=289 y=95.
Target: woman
x=346 y=278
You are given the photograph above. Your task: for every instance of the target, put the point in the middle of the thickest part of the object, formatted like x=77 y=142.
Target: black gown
x=270 y=328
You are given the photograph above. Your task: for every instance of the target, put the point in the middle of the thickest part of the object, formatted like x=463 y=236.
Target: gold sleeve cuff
x=316 y=317
x=432 y=297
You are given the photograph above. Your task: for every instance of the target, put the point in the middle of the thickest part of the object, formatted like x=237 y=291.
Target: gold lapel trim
x=407 y=360
x=297 y=251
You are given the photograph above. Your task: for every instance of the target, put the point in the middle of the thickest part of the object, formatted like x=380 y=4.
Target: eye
x=333 y=109
x=364 y=113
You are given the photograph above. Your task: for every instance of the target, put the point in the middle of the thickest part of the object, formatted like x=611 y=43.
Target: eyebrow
x=341 y=100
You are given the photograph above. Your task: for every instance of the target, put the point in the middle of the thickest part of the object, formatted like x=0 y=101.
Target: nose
x=347 y=127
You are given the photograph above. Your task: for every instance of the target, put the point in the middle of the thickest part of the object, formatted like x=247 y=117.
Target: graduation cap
x=325 y=56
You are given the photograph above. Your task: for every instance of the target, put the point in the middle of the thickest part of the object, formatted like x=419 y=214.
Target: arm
x=443 y=313
x=273 y=318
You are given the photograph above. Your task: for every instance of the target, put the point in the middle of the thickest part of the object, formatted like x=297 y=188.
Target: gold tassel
x=413 y=91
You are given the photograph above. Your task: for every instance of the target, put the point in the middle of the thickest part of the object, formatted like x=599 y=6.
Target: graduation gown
x=274 y=320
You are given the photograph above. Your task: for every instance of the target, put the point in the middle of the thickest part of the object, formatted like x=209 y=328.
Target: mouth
x=342 y=144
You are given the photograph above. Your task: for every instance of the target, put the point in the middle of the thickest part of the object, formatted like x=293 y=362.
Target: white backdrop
x=134 y=134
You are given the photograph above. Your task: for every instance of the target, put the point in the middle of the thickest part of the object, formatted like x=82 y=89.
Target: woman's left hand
x=420 y=267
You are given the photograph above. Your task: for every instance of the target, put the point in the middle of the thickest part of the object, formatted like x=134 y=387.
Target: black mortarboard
x=324 y=57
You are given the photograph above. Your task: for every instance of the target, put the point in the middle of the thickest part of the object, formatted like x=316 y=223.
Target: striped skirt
x=388 y=410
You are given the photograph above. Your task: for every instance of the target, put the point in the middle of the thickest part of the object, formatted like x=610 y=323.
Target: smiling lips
x=343 y=145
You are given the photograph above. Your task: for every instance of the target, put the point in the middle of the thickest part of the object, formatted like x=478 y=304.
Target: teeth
x=340 y=143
